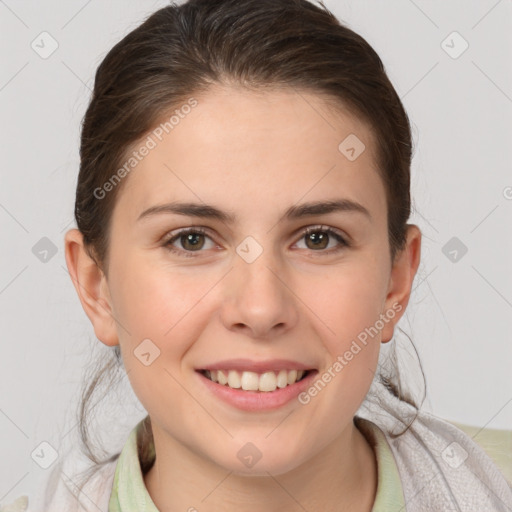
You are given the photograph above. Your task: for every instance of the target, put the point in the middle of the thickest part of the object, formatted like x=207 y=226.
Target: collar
x=130 y=493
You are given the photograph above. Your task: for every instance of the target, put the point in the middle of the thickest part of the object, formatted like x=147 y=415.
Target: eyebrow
x=202 y=210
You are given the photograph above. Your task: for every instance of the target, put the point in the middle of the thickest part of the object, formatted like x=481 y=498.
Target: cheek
x=154 y=301
x=165 y=307
x=348 y=303
x=348 y=307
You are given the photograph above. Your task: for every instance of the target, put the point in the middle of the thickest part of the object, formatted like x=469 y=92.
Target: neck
x=342 y=477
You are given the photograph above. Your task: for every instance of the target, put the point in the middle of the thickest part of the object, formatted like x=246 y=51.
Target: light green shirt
x=123 y=487
x=129 y=491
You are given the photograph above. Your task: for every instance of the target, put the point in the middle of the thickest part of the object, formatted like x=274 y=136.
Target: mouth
x=262 y=382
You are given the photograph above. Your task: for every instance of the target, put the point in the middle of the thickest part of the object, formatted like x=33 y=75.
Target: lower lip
x=258 y=400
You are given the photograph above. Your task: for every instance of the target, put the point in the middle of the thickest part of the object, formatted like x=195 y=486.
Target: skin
x=254 y=155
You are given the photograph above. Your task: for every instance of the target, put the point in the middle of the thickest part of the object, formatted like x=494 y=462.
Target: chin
x=249 y=460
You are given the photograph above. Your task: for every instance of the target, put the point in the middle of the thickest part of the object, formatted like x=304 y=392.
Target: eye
x=191 y=240
x=318 y=238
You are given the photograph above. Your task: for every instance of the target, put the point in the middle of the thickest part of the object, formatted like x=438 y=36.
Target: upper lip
x=257 y=366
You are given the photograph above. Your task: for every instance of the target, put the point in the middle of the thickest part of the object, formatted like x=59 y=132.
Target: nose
x=258 y=298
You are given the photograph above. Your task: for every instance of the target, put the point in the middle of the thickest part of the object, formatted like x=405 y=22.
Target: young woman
x=243 y=248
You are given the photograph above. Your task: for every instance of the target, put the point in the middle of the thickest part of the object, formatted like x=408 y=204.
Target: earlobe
x=402 y=275
x=92 y=288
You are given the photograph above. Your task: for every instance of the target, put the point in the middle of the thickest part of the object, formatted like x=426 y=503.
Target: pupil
x=191 y=239
x=318 y=237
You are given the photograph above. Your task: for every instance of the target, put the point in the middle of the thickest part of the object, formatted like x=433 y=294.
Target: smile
x=267 y=381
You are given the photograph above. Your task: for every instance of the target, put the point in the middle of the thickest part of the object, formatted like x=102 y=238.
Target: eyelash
x=197 y=230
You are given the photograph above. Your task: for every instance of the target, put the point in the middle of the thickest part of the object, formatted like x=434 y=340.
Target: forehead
x=244 y=147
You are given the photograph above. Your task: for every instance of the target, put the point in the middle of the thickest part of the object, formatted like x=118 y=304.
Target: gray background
x=460 y=108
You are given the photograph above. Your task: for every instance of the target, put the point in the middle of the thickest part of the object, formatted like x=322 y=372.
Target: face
x=252 y=290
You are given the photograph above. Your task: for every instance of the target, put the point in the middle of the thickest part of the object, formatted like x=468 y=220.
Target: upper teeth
x=251 y=381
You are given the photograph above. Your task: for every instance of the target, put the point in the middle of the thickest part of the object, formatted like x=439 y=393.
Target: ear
x=400 y=283
x=92 y=287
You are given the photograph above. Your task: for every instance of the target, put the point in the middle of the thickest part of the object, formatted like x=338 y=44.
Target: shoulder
x=19 y=505
x=58 y=492
x=497 y=443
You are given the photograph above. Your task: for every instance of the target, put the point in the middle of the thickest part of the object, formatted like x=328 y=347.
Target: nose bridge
x=257 y=267
x=258 y=297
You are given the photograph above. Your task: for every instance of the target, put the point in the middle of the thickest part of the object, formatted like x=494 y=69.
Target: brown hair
x=182 y=50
